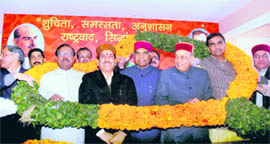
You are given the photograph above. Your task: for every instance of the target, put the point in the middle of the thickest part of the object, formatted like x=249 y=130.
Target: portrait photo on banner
x=26 y=36
x=199 y=34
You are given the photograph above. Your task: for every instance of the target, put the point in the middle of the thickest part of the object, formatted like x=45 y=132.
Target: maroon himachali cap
x=143 y=44
x=184 y=46
x=259 y=47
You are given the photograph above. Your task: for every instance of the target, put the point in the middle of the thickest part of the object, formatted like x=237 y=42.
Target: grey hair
x=15 y=49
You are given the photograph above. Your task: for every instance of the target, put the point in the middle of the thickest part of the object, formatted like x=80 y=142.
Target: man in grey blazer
x=181 y=84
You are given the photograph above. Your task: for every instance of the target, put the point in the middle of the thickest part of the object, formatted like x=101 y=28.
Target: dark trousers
x=13 y=131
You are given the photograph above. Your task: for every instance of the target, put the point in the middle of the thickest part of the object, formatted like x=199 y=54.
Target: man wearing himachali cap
x=145 y=77
x=261 y=62
x=181 y=84
x=261 y=96
x=106 y=86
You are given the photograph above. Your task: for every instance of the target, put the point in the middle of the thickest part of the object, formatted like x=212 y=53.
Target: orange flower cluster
x=245 y=81
x=45 y=141
x=126 y=46
x=38 y=71
x=86 y=67
x=211 y=112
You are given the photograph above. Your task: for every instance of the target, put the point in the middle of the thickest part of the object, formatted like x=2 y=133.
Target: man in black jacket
x=107 y=86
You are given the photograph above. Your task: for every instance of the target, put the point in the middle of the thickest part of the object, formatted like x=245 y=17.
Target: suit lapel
x=101 y=81
x=267 y=74
x=115 y=82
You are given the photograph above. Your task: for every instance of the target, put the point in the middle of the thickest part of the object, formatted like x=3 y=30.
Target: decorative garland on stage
x=204 y=113
x=45 y=141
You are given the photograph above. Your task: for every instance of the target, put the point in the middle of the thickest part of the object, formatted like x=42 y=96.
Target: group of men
x=141 y=85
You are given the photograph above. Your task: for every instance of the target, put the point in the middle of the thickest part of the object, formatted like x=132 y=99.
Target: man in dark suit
x=107 y=86
x=181 y=84
x=12 y=131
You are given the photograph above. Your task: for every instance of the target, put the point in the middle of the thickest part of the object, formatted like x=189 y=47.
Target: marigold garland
x=45 y=141
x=211 y=112
x=125 y=47
x=245 y=82
x=122 y=117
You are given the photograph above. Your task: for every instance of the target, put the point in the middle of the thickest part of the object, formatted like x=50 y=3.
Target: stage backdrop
x=86 y=31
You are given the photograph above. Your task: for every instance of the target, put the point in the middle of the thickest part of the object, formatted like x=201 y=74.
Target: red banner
x=86 y=31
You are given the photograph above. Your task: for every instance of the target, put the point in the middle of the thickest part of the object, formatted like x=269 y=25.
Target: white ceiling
x=191 y=10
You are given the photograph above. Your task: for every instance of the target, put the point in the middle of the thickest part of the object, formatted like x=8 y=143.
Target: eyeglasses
x=66 y=53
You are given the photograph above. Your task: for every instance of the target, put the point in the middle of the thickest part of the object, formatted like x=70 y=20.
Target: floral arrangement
x=125 y=47
x=246 y=118
x=45 y=141
x=166 y=42
x=245 y=81
x=211 y=112
x=51 y=114
x=204 y=113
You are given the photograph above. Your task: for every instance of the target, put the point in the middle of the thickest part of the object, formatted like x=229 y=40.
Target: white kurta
x=7 y=107
x=66 y=84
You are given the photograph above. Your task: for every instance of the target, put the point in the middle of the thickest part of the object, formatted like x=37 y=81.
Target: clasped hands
x=115 y=138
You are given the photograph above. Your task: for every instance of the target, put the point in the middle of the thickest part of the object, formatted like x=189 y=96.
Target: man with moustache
x=62 y=84
x=183 y=84
x=84 y=55
x=36 y=57
x=106 y=86
x=145 y=77
x=220 y=70
x=155 y=58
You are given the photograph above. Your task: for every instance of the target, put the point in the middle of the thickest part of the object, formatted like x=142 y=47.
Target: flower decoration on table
x=122 y=117
x=204 y=113
x=45 y=141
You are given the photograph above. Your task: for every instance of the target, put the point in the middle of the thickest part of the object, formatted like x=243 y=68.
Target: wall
x=1 y=28
x=249 y=18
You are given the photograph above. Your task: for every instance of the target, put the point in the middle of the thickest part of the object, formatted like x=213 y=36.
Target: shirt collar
x=216 y=59
x=18 y=69
x=64 y=71
x=143 y=69
x=263 y=71
x=186 y=72
x=108 y=80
